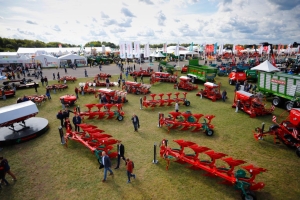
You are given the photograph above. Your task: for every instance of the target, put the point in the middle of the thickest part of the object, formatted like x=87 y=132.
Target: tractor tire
x=298 y=151
x=187 y=103
x=137 y=92
x=209 y=132
x=230 y=82
x=289 y=105
x=120 y=118
x=276 y=101
x=249 y=195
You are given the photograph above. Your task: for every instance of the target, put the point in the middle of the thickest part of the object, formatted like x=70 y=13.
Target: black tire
x=120 y=118
x=230 y=82
x=298 y=152
x=289 y=105
x=137 y=92
x=250 y=195
x=209 y=132
x=193 y=80
x=276 y=101
x=187 y=103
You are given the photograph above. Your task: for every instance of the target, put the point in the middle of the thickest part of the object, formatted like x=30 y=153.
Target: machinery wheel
x=289 y=105
x=193 y=80
x=137 y=92
x=187 y=103
x=298 y=152
x=250 y=195
x=230 y=81
x=209 y=132
x=276 y=101
x=120 y=118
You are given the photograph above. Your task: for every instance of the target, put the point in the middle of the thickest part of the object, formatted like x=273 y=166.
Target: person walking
x=4 y=163
x=58 y=76
x=142 y=78
x=46 y=80
x=35 y=86
x=100 y=67
x=2 y=176
x=136 y=122
x=107 y=82
x=107 y=164
x=53 y=76
x=3 y=94
x=42 y=81
x=66 y=70
x=76 y=121
x=60 y=117
x=224 y=95
x=85 y=73
x=176 y=106
x=121 y=151
x=129 y=170
x=48 y=93
x=76 y=92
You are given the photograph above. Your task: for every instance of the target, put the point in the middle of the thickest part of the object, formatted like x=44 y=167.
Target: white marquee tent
x=80 y=60
x=266 y=67
x=47 y=60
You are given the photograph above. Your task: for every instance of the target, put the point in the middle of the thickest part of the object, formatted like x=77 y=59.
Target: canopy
x=47 y=60
x=266 y=67
x=152 y=54
x=72 y=57
x=159 y=55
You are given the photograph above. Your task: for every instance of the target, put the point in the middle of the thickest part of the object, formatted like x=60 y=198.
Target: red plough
x=67 y=78
x=237 y=178
x=102 y=76
x=187 y=121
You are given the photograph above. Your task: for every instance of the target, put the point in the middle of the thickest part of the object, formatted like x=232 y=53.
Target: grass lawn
x=47 y=170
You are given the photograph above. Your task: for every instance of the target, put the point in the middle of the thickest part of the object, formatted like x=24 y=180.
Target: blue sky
x=153 y=21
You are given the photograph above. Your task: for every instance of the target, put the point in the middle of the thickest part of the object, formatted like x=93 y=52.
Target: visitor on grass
x=129 y=170
x=106 y=164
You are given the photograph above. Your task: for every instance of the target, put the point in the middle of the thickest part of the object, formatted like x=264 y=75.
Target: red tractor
x=237 y=75
x=251 y=104
x=163 y=77
x=185 y=84
x=136 y=88
x=287 y=131
x=211 y=91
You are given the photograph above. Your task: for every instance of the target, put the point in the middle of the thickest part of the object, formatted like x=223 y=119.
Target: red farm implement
x=87 y=88
x=287 y=131
x=163 y=77
x=251 y=104
x=67 y=78
x=111 y=96
x=102 y=76
x=69 y=100
x=136 y=88
x=187 y=121
x=242 y=179
x=185 y=84
x=146 y=73
x=164 y=102
x=211 y=91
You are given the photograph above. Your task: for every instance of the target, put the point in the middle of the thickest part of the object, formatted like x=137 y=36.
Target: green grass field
x=47 y=170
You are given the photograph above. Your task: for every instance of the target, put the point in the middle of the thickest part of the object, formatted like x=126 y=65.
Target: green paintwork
x=201 y=72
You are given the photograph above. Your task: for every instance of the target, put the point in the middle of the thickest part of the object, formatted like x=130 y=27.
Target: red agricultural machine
x=67 y=78
x=187 y=121
x=287 y=131
x=237 y=75
x=94 y=139
x=111 y=96
x=69 y=100
x=37 y=99
x=146 y=73
x=102 y=76
x=136 y=88
x=251 y=104
x=87 y=88
x=165 y=102
x=163 y=77
x=242 y=179
x=106 y=114
x=57 y=87
x=185 y=84
x=211 y=91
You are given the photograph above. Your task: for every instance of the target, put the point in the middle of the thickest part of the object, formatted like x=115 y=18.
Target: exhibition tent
x=159 y=55
x=47 y=60
x=80 y=60
x=266 y=67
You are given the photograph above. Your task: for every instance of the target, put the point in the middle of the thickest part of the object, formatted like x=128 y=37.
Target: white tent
x=159 y=55
x=266 y=67
x=152 y=54
x=80 y=60
x=47 y=60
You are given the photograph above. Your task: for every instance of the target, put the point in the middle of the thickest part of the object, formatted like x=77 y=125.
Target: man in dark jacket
x=76 y=121
x=60 y=117
x=136 y=122
x=107 y=164
x=121 y=151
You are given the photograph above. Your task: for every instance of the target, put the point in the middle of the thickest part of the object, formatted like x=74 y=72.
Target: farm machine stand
x=238 y=179
x=287 y=131
x=250 y=104
x=136 y=88
x=187 y=121
x=211 y=91
x=185 y=84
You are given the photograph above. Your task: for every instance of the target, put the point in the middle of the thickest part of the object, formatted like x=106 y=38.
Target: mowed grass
x=47 y=170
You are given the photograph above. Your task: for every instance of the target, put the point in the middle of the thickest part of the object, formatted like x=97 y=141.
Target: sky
x=154 y=21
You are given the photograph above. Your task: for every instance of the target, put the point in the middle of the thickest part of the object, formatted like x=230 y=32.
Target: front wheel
x=187 y=103
x=289 y=105
x=276 y=101
x=209 y=132
x=248 y=196
x=193 y=80
x=120 y=118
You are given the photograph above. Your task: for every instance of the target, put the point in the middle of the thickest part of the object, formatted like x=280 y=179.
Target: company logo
x=280 y=82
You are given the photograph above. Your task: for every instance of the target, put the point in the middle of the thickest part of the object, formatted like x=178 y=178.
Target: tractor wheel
x=209 y=132
x=289 y=105
x=298 y=152
x=230 y=81
x=276 y=101
x=249 y=195
x=187 y=103
x=120 y=118
x=137 y=92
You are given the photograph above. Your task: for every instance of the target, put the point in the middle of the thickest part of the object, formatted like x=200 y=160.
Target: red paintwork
x=184 y=69
x=69 y=99
x=163 y=77
x=136 y=88
x=185 y=84
x=112 y=96
x=237 y=76
x=68 y=78
x=8 y=93
x=211 y=91
x=145 y=73
x=163 y=102
x=102 y=76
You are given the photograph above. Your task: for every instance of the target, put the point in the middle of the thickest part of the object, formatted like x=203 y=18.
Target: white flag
x=103 y=48
x=177 y=49
x=165 y=48
x=137 y=50
x=220 y=49
x=129 y=49
x=122 y=50
x=146 y=51
x=261 y=49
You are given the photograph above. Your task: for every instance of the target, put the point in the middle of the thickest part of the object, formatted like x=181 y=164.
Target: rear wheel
x=187 y=103
x=209 y=132
x=120 y=118
x=289 y=105
x=276 y=101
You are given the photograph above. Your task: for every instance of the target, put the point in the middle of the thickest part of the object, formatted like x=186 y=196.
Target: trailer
x=283 y=88
x=200 y=72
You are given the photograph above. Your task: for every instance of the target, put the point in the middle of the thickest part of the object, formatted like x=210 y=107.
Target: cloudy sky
x=153 y=21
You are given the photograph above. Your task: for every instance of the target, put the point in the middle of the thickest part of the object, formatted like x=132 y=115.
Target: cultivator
x=94 y=139
x=163 y=77
x=185 y=84
x=211 y=91
x=106 y=114
x=67 y=78
x=287 y=131
x=87 y=88
x=251 y=104
x=238 y=179
x=112 y=96
x=58 y=87
x=165 y=102
x=136 y=88
x=69 y=100
x=37 y=99
x=187 y=121
x=102 y=76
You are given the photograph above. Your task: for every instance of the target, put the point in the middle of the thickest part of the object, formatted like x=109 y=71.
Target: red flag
x=274 y=119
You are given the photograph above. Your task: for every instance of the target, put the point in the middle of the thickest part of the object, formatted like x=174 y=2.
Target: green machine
x=201 y=72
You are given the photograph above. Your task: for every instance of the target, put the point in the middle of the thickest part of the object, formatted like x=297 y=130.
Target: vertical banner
x=191 y=48
x=220 y=49
x=261 y=49
x=146 y=51
x=103 y=48
x=177 y=49
x=129 y=49
x=165 y=48
x=122 y=50
x=215 y=48
x=137 y=49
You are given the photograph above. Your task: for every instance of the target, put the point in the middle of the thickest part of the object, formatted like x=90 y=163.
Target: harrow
x=238 y=178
